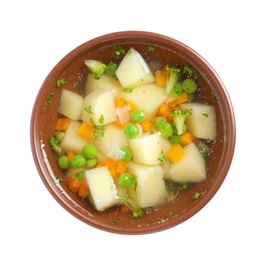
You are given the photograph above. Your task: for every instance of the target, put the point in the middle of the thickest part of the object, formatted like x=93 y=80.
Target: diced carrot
x=183 y=98
x=73 y=183
x=186 y=138
x=109 y=162
x=161 y=78
x=70 y=155
x=121 y=125
x=120 y=167
x=125 y=209
x=83 y=189
x=146 y=125
x=86 y=131
x=164 y=110
x=131 y=104
x=112 y=171
x=119 y=102
x=176 y=153
x=62 y=123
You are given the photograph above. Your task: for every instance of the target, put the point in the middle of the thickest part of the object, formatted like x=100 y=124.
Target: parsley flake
x=61 y=82
x=89 y=110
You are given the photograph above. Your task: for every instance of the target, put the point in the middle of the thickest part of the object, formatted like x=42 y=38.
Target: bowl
x=45 y=114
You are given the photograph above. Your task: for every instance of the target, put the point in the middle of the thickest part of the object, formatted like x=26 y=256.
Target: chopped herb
x=89 y=110
x=99 y=129
x=61 y=82
x=119 y=50
x=151 y=48
x=152 y=132
x=191 y=71
x=79 y=175
x=101 y=119
x=49 y=99
x=206 y=115
x=128 y=90
x=116 y=221
x=197 y=195
x=161 y=157
x=214 y=97
x=58 y=180
x=170 y=214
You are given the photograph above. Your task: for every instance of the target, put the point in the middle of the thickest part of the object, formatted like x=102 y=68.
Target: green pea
x=127 y=154
x=91 y=163
x=63 y=162
x=137 y=116
x=166 y=129
x=159 y=121
x=189 y=85
x=131 y=131
x=78 y=161
x=126 y=180
x=90 y=151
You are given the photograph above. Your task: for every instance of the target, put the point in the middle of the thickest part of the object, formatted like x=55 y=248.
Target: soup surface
x=135 y=132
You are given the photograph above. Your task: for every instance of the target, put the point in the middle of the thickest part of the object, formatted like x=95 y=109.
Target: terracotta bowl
x=44 y=116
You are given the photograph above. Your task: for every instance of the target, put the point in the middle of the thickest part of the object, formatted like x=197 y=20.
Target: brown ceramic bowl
x=72 y=67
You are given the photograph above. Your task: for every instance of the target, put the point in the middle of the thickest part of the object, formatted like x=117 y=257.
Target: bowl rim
x=78 y=52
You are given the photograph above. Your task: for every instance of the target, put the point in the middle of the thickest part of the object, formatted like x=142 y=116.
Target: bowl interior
x=72 y=67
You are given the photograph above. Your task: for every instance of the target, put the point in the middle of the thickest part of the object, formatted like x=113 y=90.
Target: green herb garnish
x=61 y=82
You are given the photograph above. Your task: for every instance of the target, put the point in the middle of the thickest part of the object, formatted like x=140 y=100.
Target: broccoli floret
x=176 y=91
x=97 y=67
x=179 y=117
x=136 y=210
x=174 y=73
x=55 y=141
x=138 y=213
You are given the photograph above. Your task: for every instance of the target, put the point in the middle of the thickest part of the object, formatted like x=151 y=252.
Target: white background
x=233 y=36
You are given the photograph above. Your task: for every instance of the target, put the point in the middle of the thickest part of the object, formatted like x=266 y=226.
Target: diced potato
x=102 y=190
x=166 y=145
x=202 y=122
x=112 y=135
x=191 y=168
x=102 y=105
x=105 y=82
x=71 y=104
x=133 y=70
x=147 y=97
x=150 y=189
x=72 y=141
x=147 y=148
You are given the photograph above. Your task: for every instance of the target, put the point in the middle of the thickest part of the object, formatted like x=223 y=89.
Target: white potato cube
x=151 y=190
x=202 y=122
x=102 y=190
x=133 y=70
x=112 y=136
x=105 y=82
x=71 y=104
x=148 y=97
x=191 y=168
x=147 y=148
x=102 y=106
x=72 y=141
